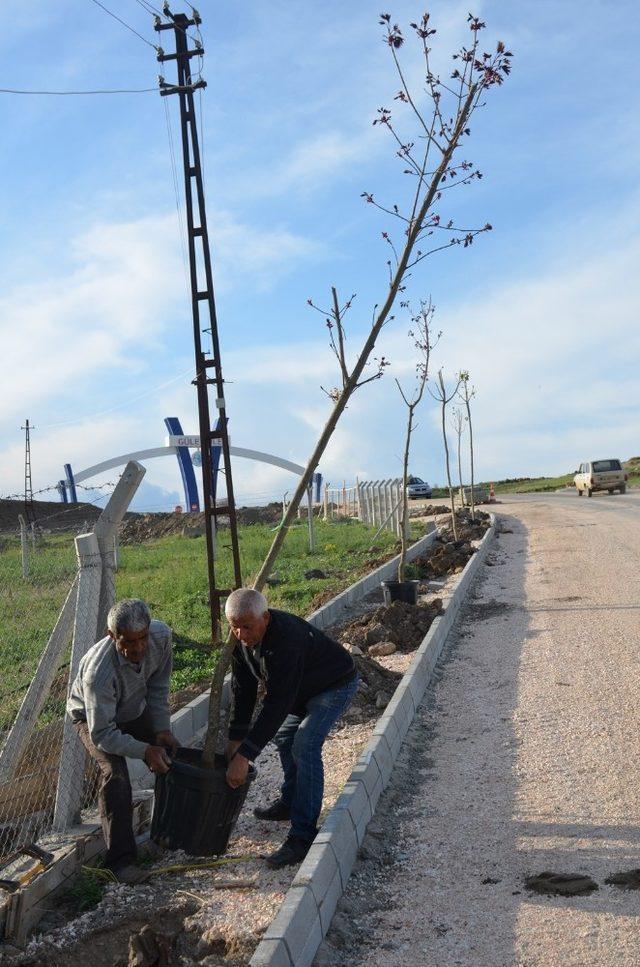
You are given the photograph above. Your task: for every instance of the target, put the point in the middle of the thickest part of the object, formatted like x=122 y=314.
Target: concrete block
x=318 y=870
x=402 y=707
x=199 y=710
x=386 y=726
x=416 y=684
x=271 y=953
x=376 y=792
x=379 y=748
x=338 y=830
x=432 y=633
x=305 y=957
x=366 y=771
x=182 y=725
x=354 y=798
x=294 y=922
x=329 y=903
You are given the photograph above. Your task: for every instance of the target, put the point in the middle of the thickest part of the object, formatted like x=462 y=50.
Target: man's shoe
x=276 y=812
x=292 y=852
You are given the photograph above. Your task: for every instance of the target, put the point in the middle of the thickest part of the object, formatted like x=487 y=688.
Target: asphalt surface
x=522 y=760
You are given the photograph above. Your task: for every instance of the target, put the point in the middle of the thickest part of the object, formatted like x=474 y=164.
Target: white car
x=417 y=488
x=600 y=475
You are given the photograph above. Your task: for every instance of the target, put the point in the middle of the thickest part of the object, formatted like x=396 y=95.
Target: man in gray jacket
x=119 y=704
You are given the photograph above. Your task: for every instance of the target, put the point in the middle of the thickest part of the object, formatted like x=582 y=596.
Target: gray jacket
x=110 y=690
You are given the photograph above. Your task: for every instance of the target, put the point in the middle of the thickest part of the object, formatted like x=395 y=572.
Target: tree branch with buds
x=423 y=344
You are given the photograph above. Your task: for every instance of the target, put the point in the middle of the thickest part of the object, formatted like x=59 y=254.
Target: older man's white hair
x=245 y=602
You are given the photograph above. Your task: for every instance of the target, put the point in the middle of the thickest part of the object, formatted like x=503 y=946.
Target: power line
x=124 y=24
x=138 y=90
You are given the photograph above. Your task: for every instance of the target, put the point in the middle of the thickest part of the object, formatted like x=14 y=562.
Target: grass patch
x=170 y=574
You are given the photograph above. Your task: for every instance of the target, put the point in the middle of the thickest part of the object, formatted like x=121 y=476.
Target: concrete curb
x=191 y=719
x=293 y=937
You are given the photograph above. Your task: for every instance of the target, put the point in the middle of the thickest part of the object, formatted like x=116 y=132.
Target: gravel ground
x=521 y=760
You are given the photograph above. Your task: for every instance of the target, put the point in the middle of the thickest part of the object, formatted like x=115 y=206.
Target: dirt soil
x=146 y=527
x=51 y=516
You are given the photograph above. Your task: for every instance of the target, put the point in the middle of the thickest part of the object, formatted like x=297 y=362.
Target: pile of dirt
x=402 y=624
x=377 y=685
x=446 y=557
x=51 y=516
x=431 y=510
x=138 y=528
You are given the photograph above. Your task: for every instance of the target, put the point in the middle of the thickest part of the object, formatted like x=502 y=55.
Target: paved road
x=523 y=759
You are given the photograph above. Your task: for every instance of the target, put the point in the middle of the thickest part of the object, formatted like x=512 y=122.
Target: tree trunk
x=473 y=498
x=446 y=453
x=402 y=564
x=349 y=388
x=460 y=471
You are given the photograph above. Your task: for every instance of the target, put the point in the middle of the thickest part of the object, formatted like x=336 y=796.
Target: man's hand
x=232 y=747
x=157 y=759
x=168 y=740
x=237 y=771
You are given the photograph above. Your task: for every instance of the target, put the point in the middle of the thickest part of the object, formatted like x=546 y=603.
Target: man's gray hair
x=130 y=614
x=245 y=601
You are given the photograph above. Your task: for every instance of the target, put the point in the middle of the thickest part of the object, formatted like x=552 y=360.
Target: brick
x=355 y=800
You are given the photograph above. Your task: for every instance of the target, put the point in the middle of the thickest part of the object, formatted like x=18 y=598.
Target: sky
x=94 y=305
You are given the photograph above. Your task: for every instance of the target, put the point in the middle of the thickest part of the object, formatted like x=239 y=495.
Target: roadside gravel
x=522 y=759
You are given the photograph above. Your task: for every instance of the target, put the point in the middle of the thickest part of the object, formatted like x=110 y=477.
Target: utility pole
x=202 y=304
x=29 y=507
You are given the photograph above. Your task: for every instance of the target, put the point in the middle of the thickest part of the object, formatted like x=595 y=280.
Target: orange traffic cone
x=492 y=494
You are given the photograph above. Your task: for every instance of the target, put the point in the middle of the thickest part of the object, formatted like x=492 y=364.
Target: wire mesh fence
x=51 y=611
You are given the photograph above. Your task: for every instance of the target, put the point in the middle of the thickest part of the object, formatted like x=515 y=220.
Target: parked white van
x=600 y=475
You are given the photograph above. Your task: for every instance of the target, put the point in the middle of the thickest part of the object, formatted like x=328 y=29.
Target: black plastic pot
x=400 y=591
x=194 y=808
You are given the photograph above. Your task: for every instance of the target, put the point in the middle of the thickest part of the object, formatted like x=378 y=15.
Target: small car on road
x=417 y=488
x=600 y=475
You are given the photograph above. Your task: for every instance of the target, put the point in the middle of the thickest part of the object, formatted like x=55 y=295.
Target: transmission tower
x=29 y=506
x=202 y=304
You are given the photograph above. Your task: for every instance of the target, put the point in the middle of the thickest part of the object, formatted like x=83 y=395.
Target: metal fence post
x=24 y=545
x=85 y=628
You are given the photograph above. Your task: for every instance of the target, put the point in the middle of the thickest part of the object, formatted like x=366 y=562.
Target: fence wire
x=34 y=673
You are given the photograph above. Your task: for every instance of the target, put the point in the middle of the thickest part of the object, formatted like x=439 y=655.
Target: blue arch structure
x=71 y=484
x=192 y=501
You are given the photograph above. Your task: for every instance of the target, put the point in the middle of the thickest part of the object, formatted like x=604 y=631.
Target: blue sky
x=94 y=311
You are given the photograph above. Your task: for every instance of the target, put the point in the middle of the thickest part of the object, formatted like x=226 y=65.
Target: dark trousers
x=114 y=796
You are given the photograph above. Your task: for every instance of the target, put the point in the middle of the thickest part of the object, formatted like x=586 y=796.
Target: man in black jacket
x=310 y=680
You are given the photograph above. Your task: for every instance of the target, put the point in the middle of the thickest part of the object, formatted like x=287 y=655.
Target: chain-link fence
x=51 y=612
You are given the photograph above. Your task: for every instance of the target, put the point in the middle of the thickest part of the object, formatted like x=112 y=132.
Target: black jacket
x=295 y=661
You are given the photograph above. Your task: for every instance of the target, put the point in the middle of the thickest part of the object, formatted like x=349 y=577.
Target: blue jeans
x=299 y=741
